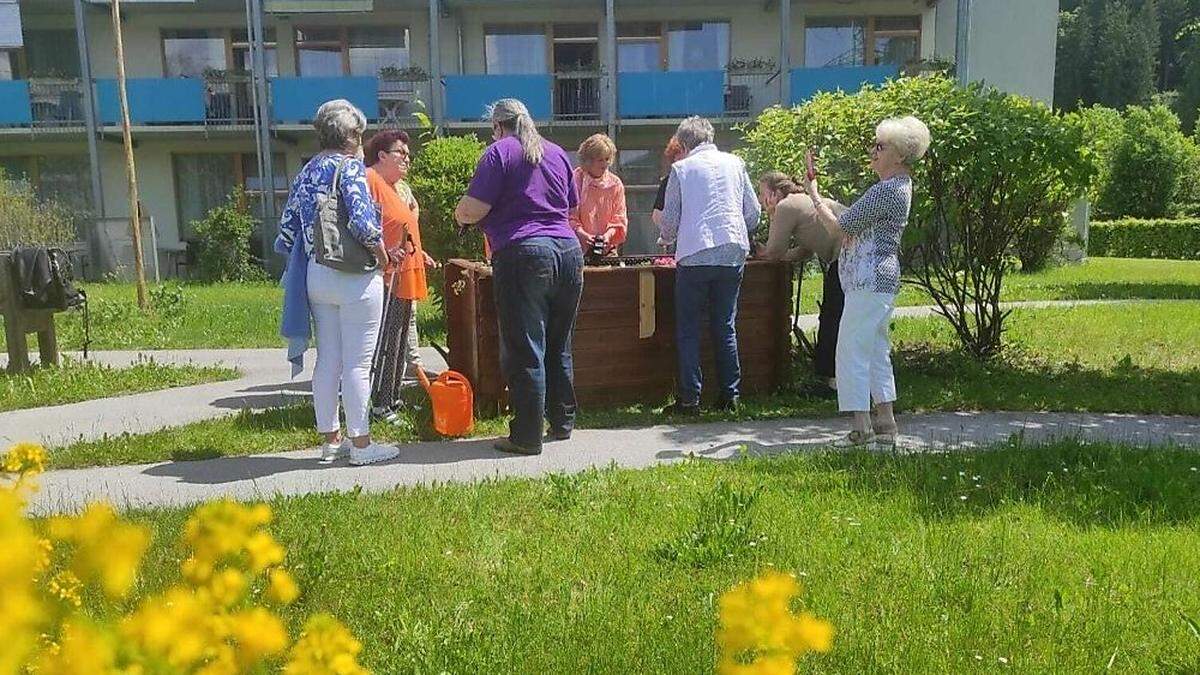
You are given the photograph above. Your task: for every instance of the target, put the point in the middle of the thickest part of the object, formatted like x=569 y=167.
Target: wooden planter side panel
x=613 y=364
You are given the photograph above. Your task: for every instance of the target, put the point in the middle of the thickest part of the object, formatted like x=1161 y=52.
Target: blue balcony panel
x=164 y=100
x=15 y=110
x=467 y=96
x=808 y=82
x=671 y=94
x=296 y=99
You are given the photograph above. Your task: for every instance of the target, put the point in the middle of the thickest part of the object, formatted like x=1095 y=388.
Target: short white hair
x=338 y=124
x=694 y=132
x=908 y=135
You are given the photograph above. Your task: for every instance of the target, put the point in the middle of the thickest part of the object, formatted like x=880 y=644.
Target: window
x=66 y=179
x=857 y=41
x=691 y=45
x=203 y=181
x=834 y=42
x=51 y=54
x=897 y=40
x=698 y=45
x=188 y=53
x=515 y=49
x=241 y=51
x=639 y=47
x=333 y=52
x=7 y=71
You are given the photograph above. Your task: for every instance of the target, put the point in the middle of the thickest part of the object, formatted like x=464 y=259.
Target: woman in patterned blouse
x=869 y=266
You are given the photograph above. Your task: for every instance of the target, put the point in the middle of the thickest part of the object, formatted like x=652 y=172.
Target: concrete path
x=266 y=382
x=293 y=473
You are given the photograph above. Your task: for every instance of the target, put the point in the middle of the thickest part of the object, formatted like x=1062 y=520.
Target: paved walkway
x=266 y=382
x=294 y=473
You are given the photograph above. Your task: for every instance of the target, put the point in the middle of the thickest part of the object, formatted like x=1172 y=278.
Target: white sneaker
x=373 y=453
x=331 y=452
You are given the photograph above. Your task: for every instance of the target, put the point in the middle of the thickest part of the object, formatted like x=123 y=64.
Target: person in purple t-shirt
x=521 y=197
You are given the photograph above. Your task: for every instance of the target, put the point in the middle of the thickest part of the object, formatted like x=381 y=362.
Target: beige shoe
x=856 y=439
x=886 y=441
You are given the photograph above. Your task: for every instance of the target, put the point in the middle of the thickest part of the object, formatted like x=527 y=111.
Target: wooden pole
x=135 y=223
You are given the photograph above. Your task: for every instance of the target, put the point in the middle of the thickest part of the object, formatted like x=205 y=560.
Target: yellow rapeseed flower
x=258 y=634
x=28 y=459
x=105 y=548
x=263 y=552
x=83 y=650
x=758 y=631
x=175 y=627
x=21 y=610
x=66 y=587
x=325 y=647
x=227 y=587
x=282 y=588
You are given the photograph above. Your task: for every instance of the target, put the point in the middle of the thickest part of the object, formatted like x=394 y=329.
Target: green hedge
x=1133 y=238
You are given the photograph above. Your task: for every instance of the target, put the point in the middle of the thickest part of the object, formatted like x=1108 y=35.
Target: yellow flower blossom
x=325 y=646
x=105 y=549
x=21 y=610
x=227 y=587
x=28 y=459
x=83 y=650
x=258 y=635
x=174 y=627
x=282 y=588
x=263 y=551
x=66 y=587
x=760 y=634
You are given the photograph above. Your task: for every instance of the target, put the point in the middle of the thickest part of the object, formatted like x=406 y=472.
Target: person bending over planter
x=521 y=196
x=709 y=211
x=869 y=267
x=795 y=236
x=601 y=220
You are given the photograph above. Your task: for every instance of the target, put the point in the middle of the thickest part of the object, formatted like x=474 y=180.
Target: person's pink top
x=601 y=207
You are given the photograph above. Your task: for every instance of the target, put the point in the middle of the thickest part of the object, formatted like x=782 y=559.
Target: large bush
x=1132 y=238
x=441 y=170
x=222 y=241
x=1148 y=166
x=26 y=220
x=998 y=163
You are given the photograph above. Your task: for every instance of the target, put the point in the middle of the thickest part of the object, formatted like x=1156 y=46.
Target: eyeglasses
x=879 y=146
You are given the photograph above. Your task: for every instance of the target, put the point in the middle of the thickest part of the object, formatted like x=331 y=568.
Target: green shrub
x=441 y=171
x=1034 y=245
x=26 y=220
x=222 y=241
x=1132 y=238
x=997 y=164
x=1149 y=166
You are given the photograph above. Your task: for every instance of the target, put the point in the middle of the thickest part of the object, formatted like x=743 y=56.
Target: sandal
x=856 y=439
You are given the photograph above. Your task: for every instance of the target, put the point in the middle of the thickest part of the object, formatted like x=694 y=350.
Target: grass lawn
x=247 y=315
x=1130 y=358
x=77 y=381
x=1096 y=279
x=1062 y=558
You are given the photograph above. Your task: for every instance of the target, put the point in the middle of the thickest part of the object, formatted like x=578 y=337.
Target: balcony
x=56 y=102
x=808 y=82
x=468 y=96
x=668 y=94
x=577 y=96
x=390 y=102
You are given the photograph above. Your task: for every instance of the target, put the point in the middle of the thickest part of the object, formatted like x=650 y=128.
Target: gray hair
x=908 y=135
x=339 y=124
x=694 y=132
x=513 y=117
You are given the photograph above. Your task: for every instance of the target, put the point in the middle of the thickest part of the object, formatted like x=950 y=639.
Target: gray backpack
x=333 y=244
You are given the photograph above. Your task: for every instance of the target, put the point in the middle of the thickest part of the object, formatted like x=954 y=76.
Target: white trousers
x=864 y=354
x=346 y=308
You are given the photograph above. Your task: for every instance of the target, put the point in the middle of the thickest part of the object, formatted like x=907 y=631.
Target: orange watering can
x=453 y=402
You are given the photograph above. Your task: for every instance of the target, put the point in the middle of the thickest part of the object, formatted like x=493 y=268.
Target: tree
x=1188 y=104
x=1123 y=58
x=1148 y=163
x=997 y=165
x=1072 y=71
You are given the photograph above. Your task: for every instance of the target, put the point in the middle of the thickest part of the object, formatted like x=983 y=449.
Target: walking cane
x=377 y=361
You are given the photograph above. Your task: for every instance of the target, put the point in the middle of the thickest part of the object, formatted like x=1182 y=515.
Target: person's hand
x=396 y=255
x=381 y=255
x=429 y=261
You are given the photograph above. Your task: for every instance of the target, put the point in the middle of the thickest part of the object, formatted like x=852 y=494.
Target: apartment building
x=631 y=69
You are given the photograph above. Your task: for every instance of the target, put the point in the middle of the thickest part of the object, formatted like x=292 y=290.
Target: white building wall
x=1012 y=45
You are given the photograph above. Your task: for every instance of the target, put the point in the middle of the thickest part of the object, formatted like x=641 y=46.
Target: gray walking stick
x=377 y=362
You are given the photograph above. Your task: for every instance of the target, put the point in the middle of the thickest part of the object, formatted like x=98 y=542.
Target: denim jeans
x=537 y=284
x=712 y=290
x=833 y=300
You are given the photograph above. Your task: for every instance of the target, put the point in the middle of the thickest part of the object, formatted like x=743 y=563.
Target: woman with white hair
x=869 y=267
x=521 y=196
x=345 y=306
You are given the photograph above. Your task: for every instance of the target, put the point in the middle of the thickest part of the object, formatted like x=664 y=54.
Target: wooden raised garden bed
x=624 y=347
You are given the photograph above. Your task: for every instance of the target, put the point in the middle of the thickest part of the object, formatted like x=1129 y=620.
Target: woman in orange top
x=387 y=158
x=601 y=213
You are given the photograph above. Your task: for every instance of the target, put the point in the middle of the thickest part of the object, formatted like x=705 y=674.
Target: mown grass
x=194 y=316
x=1102 y=358
x=1094 y=279
x=76 y=381
x=1064 y=558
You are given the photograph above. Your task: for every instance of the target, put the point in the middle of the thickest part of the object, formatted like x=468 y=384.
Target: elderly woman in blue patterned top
x=869 y=265
x=345 y=306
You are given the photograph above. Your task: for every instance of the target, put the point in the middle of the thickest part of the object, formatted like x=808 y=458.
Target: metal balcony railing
x=577 y=96
x=56 y=102
x=228 y=99
x=749 y=93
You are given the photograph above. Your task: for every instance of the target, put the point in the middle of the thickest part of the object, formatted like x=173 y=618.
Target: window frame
x=547 y=34
x=870 y=32
x=343 y=42
x=237 y=165
x=663 y=38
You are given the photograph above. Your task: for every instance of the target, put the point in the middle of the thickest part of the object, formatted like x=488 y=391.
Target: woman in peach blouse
x=601 y=213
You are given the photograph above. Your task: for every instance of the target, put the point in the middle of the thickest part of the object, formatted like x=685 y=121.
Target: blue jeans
x=537 y=283
x=713 y=290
